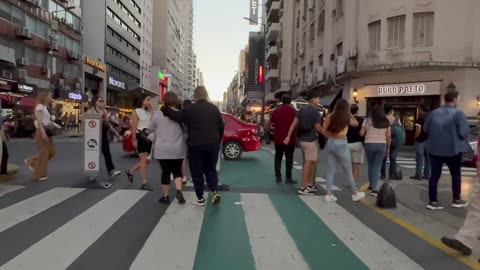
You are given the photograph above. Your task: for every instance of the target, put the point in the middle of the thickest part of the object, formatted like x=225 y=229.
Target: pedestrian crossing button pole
x=92 y=148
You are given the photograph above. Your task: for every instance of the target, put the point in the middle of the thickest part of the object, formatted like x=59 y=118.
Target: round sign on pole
x=92 y=165
x=92 y=124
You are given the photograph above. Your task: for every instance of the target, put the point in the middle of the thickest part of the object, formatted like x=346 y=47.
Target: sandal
x=129 y=175
x=146 y=187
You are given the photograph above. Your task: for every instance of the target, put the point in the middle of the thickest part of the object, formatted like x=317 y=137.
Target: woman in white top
x=376 y=130
x=43 y=138
x=141 y=119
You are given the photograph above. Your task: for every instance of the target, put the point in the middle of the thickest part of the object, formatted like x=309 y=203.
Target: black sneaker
x=306 y=191
x=415 y=177
x=313 y=188
x=200 y=202
x=459 y=203
x=216 y=198
x=374 y=193
x=290 y=181
x=164 y=200
x=278 y=180
x=434 y=206
x=180 y=198
x=457 y=245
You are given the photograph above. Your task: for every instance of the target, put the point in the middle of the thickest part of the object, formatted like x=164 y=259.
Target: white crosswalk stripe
x=409 y=163
x=26 y=209
x=4 y=189
x=59 y=249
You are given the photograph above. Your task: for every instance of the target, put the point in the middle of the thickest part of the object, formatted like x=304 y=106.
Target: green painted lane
x=254 y=170
x=320 y=247
x=224 y=242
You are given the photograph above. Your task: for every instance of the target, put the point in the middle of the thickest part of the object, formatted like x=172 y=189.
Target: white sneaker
x=43 y=178
x=330 y=198
x=358 y=196
x=114 y=174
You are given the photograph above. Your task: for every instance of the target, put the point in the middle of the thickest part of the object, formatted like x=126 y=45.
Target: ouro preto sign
x=402 y=89
x=119 y=84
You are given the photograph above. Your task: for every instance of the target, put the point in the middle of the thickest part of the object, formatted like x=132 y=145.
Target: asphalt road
x=65 y=223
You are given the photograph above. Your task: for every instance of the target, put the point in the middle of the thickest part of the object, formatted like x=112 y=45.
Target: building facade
x=168 y=41
x=146 y=45
x=186 y=15
x=404 y=53
x=40 y=50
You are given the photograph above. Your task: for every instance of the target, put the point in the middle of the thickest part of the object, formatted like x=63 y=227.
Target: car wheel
x=232 y=151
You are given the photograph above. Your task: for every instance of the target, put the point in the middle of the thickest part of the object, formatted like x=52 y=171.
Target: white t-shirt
x=46 y=120
x=144 y=119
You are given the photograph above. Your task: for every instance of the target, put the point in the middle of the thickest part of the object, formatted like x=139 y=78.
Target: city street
x=66 y=223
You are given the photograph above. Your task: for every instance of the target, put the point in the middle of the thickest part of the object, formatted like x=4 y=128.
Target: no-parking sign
x=92 y=144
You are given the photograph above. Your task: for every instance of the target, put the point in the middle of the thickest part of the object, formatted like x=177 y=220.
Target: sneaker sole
x=459 y=205
x=199 y=204
x=306 y=194
x=434 y=207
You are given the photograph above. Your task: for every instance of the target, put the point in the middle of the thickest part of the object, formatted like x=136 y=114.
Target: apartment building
x=404 y=53
x=168 y=41
x=146 y=46
x=186 y=14
x=40 y=50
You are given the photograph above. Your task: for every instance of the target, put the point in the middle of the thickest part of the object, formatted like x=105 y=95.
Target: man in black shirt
x=205 y=128
x=355 y=143
x=421 y=154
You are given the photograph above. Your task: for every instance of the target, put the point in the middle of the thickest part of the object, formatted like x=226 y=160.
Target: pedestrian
x=141 y=119
x=335 y=128
x=447 y=129
x=282 y=118
x=394 y=146
x=125 y=125
x=169 y=148
x=467 y=236
x=205 y=128
x=422 y=159
x=98 y=108
x=355 y=143
x=185 y=171
x=377 y=133
x=308 y=124
x=4 y=149
x=43 y=138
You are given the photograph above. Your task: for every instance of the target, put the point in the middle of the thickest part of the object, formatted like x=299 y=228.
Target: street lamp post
x=262 y=84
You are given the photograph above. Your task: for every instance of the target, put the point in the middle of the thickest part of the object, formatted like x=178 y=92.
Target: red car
x=239 y=137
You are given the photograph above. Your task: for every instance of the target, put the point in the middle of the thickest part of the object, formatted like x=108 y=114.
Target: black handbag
x=50 y=130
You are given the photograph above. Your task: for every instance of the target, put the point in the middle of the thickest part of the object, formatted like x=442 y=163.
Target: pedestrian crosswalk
x=271 y=231
x=409 y=163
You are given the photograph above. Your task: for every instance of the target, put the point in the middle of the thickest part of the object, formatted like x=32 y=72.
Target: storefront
x=95 y=78
x=69 y=104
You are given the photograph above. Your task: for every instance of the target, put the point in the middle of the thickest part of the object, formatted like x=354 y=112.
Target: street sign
x=92 y=144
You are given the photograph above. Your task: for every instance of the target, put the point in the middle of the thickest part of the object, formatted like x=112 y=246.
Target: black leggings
x=170 y=166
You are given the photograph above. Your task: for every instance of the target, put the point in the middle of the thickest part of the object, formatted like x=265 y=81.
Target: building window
x=423 y=29
x=396 y=32
x=374 y=35
x=312 y=32
x=339 y=10
x=320 y=60
x=339 y=49
x=321 y=22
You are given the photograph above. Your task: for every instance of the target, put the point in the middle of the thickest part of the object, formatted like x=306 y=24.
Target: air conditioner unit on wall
x=22 y=61
x=24 y=33
x=340 y=65
x=301 y=52
x=352 y=54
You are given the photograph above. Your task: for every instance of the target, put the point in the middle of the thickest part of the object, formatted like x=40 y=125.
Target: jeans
x=203 y=161
x=280 y=150
x=338 y=152
x=454 y=164
x=375 y=155
x=4 y=162
x=422 y=159
x=393 y=162
x=106 y=152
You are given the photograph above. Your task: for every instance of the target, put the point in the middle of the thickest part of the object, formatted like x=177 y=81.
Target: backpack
x=398 y=133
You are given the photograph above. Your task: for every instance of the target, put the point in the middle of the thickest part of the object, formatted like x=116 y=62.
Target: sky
x=220 y=32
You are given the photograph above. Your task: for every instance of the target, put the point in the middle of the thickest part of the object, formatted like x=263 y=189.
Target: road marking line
x=61 y=248
x=469 y=261
x=4 y=189
x=266 y=231
x=359 y=238
x=181 y=224
x=334 y=188
x=297 y=167
x=30 y=207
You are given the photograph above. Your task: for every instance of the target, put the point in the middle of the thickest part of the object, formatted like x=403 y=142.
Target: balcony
x=273 y=31
x=271 y=74
x=273 y=12
x=271 y=53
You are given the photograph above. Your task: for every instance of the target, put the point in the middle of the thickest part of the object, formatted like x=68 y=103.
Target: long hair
x=140 y=103
x=379 y=118
x=93 y=103
x=41 y=96
x=340 y=117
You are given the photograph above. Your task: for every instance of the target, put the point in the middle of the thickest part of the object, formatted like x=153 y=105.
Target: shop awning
x=327 y=100
x=28 y=102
